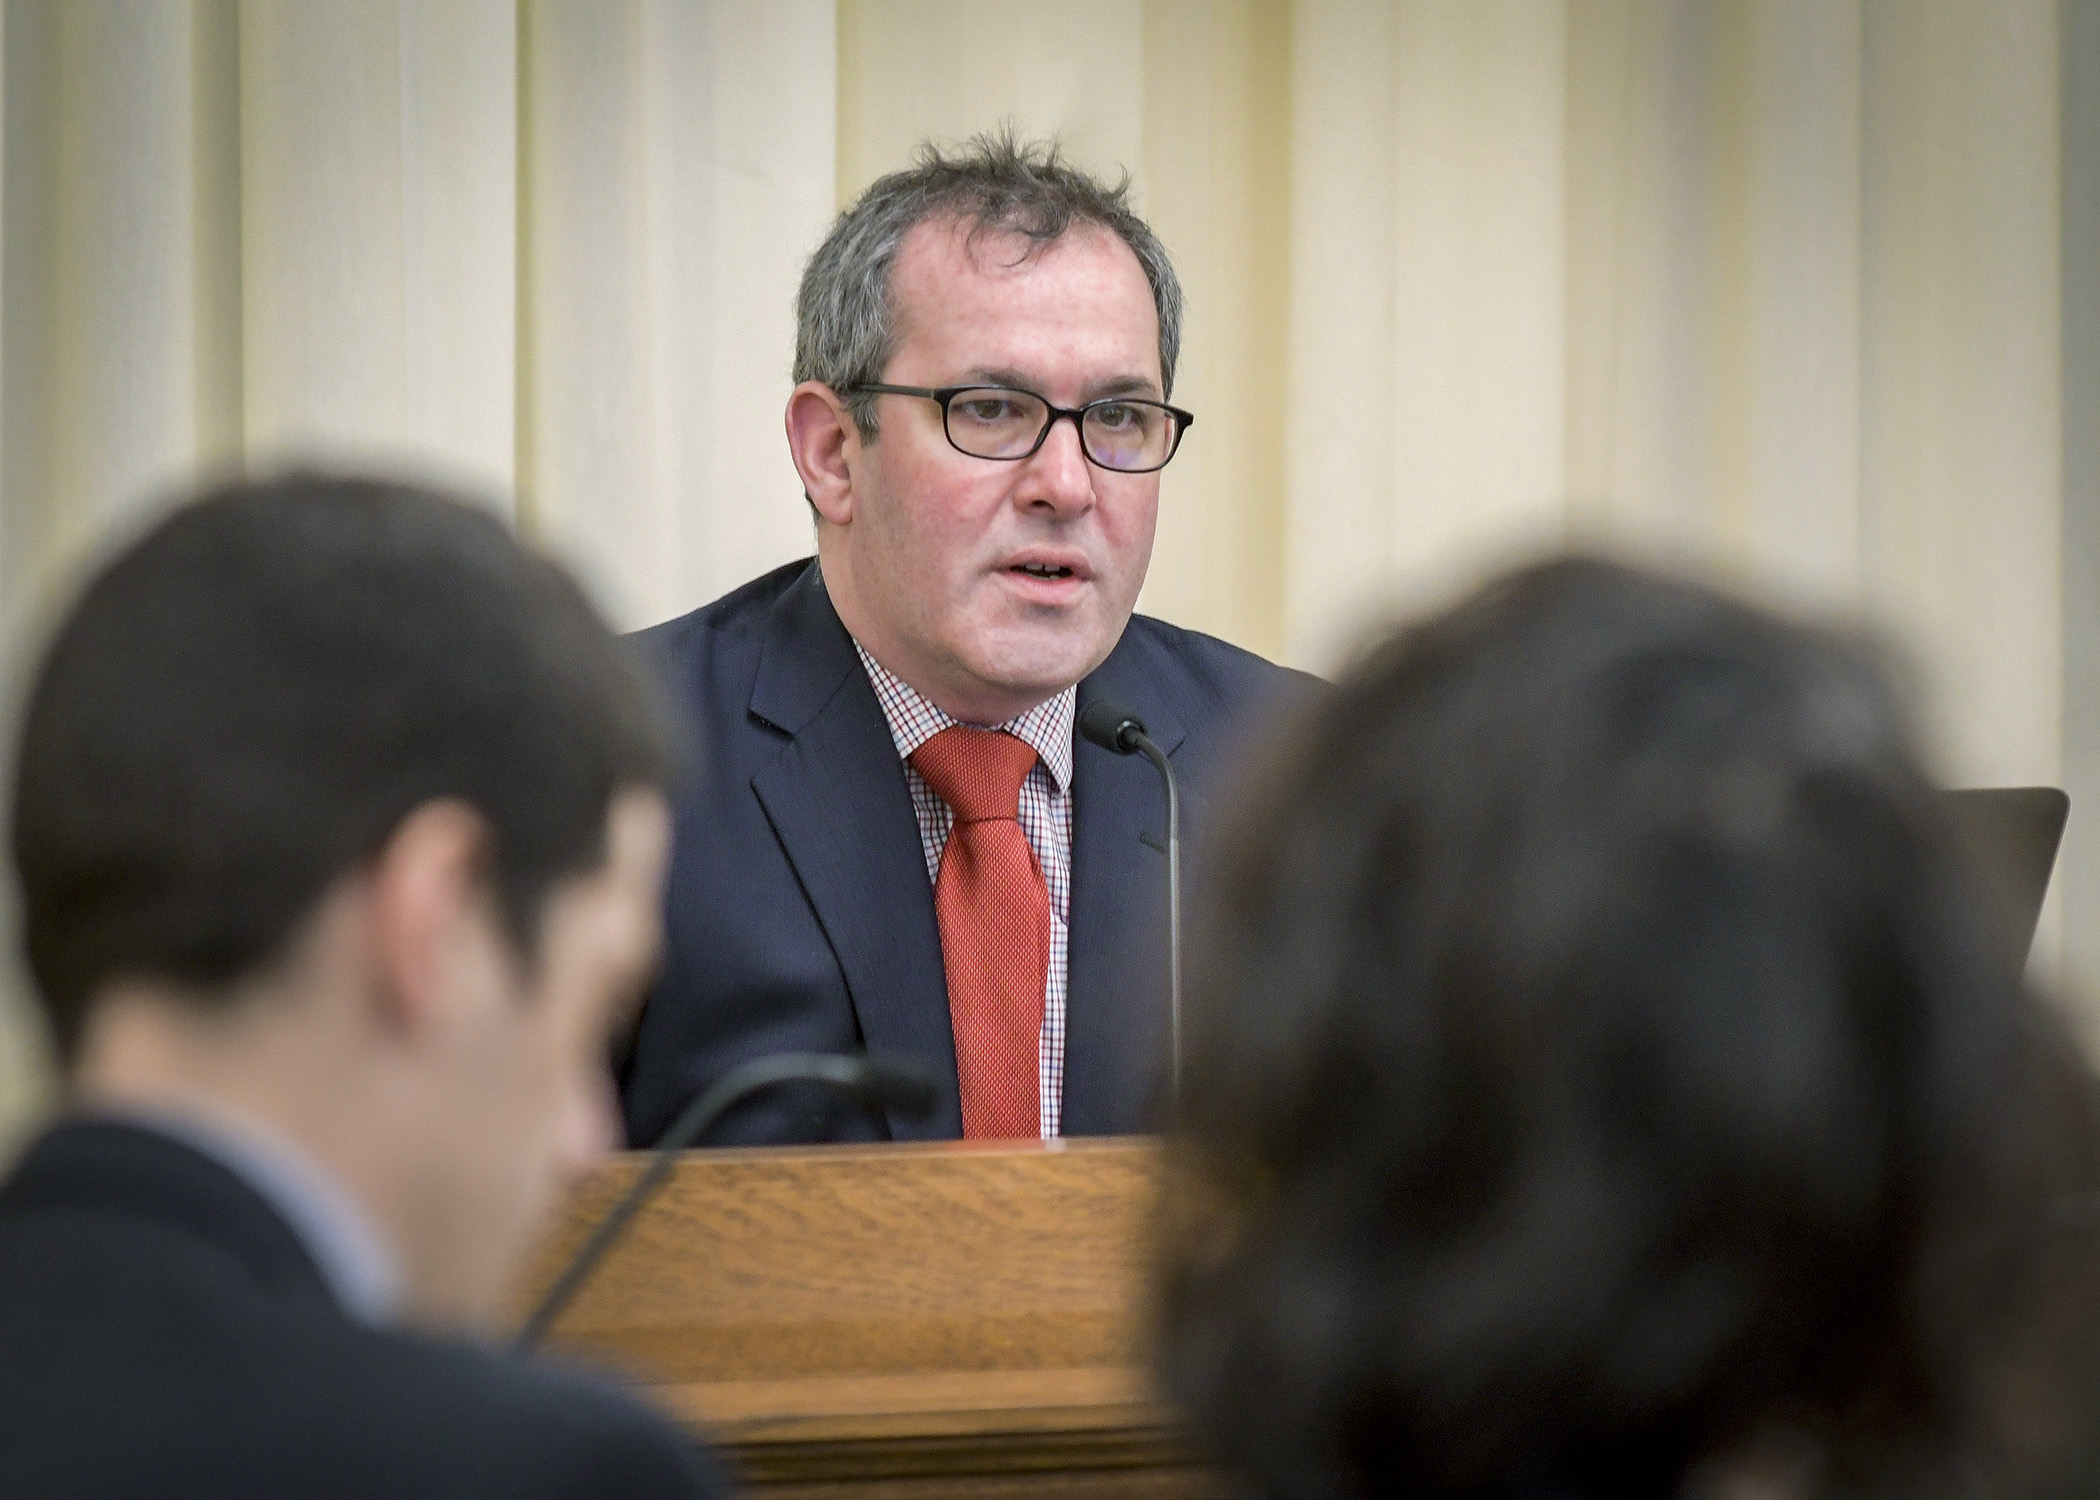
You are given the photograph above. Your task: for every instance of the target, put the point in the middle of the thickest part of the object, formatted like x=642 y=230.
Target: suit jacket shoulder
x=167 y=1334
x=738 y=616
x=470 y=1421
x=1211 y=682
x=704 y=652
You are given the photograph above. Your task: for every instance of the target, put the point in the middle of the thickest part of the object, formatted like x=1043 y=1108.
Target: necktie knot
x=977 y=772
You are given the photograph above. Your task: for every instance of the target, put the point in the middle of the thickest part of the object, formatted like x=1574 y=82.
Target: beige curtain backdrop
x=1801 y=293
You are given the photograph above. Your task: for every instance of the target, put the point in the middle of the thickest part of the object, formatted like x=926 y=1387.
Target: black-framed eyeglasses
x=1123 y=433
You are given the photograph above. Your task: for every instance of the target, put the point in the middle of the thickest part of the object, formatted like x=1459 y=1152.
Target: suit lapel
x=1115 y=1003
x=838 y=803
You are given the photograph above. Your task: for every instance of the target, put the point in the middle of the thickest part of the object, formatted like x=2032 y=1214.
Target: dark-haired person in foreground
x=1607 y=1080
x=896 y=841
x=340 y=829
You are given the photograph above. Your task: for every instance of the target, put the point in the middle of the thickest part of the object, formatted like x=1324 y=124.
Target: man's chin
x=1039 y=674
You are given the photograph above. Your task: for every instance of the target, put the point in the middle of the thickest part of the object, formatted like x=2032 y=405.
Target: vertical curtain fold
x=1799 y=266
x=1429 y=329
x=378 y=182
x=1214 y=171
x=114 y=368
x=1961 y=380
x=681 y=163
x=2078 y=877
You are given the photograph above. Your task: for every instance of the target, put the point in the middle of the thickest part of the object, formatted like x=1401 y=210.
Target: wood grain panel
x=770 y=1264
x=892 y=1320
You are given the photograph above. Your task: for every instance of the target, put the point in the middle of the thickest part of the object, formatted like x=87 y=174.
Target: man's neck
x=164 y=1064
x=360 y=1266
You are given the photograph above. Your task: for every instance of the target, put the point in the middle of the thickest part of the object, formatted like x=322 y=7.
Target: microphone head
x=897 y=1082
x=1110 y=725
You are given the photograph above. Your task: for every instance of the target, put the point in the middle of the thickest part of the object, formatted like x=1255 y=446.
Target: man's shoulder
x=547 y=1430
x=155 y=1345
x=237 y=1397
x=777 y=628
x=1204 y=674
x=383 y=1411
x=739 y=615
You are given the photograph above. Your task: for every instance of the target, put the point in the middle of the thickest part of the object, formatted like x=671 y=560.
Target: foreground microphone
x=1115 y=728
x=879 y=1083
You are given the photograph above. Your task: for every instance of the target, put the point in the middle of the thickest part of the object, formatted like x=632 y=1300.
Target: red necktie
x=994 y=911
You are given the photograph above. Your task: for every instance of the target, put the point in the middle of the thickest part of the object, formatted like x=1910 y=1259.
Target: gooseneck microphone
x=878 y=1082
x=1115 y=728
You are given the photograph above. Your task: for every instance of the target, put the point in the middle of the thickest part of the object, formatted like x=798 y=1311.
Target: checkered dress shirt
x=1046 y=820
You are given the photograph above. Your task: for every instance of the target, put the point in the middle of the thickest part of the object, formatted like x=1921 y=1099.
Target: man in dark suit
x=340 y=831
x=897 y=841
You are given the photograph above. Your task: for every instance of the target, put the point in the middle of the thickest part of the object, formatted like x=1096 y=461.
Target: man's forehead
x=950 y=271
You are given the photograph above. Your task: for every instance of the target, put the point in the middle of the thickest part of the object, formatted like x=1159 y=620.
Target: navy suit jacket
x=164 y=1333
x=799 y=916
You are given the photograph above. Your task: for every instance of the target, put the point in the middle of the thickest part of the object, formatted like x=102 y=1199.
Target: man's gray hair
x=845 y=331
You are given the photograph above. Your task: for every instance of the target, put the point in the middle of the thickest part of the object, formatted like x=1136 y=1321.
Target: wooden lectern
x=937 y=1320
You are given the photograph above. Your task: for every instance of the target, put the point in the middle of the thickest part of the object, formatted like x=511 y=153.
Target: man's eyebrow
x=1125 y=385
x=1120 y=385
x=1012 y=379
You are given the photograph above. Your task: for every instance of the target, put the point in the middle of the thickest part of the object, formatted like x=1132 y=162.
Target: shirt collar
x=1046 y=728
x=360 y=1270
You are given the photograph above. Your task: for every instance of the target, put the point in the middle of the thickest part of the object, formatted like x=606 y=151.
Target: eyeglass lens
x=990 y=422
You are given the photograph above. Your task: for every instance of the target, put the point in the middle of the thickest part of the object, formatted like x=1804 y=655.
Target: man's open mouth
x=1041 y=570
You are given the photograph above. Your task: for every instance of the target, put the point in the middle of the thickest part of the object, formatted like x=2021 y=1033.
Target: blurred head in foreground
x=1606 y=1079
x=338 y=821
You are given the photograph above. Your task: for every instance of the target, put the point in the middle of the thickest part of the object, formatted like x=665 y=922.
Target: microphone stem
x=737 y=1085
x=1158 y=758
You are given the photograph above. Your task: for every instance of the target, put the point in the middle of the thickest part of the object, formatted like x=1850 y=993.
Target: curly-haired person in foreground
x=1606 y=1078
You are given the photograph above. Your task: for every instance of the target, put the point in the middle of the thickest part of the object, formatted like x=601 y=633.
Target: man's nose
x=1058 y=475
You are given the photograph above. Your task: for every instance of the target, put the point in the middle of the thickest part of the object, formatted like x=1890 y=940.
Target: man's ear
x=826 y=447
x=430 y=911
